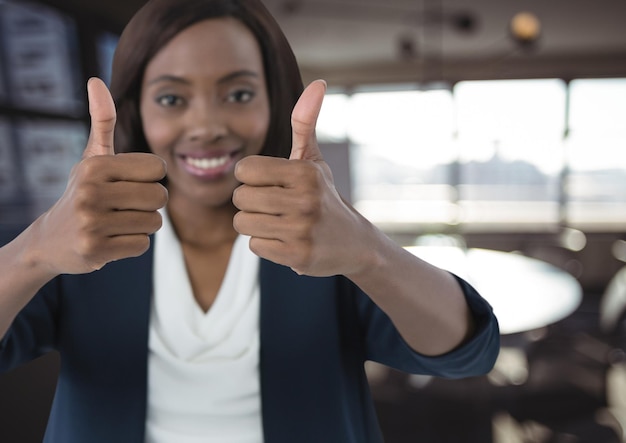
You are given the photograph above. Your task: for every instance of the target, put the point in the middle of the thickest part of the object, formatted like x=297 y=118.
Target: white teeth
x=207 y=163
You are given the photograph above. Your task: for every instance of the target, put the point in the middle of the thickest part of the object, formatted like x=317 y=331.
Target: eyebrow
x=225 y=79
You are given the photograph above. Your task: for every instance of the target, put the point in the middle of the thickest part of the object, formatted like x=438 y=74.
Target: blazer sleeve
x=33 y=331
x=384 y=344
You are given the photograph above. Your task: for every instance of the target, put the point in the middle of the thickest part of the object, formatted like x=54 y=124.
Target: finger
x=269 y=249
x=104 y=250
x=96 y=231
x=260 y=170
x=123 y=196
x=303 y=121
x=264 y=226
x=267 y=199
x=125 y=246
x=133 y=222
x=103 y=116
x=273 y=250
x=131 y=166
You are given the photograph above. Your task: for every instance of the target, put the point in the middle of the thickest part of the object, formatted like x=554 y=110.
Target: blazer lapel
x=106 y=337
x=299 y=355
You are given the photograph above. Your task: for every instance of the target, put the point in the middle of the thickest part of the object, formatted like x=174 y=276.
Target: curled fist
x=110 y=205
x=290 y=207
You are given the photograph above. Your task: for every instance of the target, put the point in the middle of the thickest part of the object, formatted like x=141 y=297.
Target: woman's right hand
x=109 y=207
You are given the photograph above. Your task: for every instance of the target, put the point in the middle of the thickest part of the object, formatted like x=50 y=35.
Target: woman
x=249 y=316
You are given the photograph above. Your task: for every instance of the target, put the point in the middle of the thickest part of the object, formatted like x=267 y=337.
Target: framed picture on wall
x=3 y=89
x=41 y=58
x=49 y=150
x=106 y=43
x=3 y=94
x=8 y=165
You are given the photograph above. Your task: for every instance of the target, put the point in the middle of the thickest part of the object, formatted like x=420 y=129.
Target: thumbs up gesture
x=290 y=207
x=110 y=204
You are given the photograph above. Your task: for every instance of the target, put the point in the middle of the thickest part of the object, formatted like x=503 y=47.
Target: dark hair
x=158 y=21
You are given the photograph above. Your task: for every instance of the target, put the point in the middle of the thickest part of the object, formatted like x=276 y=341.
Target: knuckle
x=86 y=195
x=159 y=166
x=238 y=222
x=241 y=169
x=90 y=166
x=309 y=172
x=84 y=219
x=152 y=222
x=139 y=246
x=157 y=221
x=132 y=247
x=309 y=204
x=302 y=261
x=236 y=198
x=296 y=173
x=162 y=195
x=241 y=195
x=86 y=167
x=87 y=247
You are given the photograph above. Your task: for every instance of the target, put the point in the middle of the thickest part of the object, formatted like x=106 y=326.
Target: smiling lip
x=209 y=166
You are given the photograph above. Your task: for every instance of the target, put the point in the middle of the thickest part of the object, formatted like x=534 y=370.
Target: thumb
x=303 y=121
x=103 y=116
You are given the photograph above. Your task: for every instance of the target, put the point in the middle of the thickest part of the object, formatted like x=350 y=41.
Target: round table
x=525 y=293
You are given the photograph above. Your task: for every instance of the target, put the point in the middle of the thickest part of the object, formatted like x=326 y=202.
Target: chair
x=613 y=303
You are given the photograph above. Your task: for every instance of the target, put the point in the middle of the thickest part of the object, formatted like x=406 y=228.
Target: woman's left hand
x=291 y=209
x=295 y=217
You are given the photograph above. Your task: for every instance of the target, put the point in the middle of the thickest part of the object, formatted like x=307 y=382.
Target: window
x=402 y=150
x=487 y=154
x=596 y=152
x=510 y=135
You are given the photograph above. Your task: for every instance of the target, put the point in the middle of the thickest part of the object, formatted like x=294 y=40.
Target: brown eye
x=241 y=96
x=169 y=100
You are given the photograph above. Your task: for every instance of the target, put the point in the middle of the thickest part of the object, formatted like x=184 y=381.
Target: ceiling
x=401 y=41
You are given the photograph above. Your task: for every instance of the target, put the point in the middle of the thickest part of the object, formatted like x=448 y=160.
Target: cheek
x=157 y=132
x=258 y=129
x=157 y=136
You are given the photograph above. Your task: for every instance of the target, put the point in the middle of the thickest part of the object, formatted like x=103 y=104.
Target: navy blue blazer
x=316 y=334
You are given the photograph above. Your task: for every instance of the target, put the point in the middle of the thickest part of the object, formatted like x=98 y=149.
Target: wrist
x=370 y=259
x=31 y=256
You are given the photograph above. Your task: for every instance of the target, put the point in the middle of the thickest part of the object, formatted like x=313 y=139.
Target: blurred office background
x=483 y=127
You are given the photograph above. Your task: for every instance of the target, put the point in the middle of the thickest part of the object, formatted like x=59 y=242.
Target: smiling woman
x=238 y=299
x=202 y=118
x=147 y=34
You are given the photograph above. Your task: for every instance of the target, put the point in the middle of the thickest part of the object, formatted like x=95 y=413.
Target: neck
x=200 y=226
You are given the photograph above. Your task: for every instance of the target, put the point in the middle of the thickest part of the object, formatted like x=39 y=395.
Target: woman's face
x=204 y=106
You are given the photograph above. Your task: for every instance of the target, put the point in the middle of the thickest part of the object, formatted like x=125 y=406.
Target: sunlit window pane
x=596 y=185
x=402 y=151
x=510 y=137
x=492 y=154
x=332 y=122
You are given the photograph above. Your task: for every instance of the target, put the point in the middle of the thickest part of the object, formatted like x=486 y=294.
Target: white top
x=203 y=368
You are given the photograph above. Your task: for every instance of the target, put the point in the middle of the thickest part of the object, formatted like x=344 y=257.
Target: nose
x=205 y=122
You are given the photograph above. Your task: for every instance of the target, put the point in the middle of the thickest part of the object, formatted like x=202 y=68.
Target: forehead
x=214 y=46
